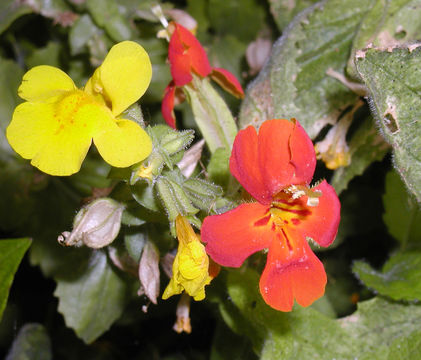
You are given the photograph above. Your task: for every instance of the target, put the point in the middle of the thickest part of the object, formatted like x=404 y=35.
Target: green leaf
x=218 y=168
x=134 y=242
x=228 y=53
x=81 y=33
x=92 y=301
x=399 y=278
x=11 y=254
x=241 y=18
x=10 y=10
x=106 y=15
x=31 y=343
x=211 y=113
x=402 y=214
x=294 y=84
x=283 y=11
x=157 y=50
x=10 y=78
x=365 y=147
x=373 y=332
x=48 y=55
x=144 y=194
x=393 y=81
x=388 y=23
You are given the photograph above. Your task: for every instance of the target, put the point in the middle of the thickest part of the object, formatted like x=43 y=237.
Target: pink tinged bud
x=96 y=225
x=183 y=315
x=149 y=271
x=183 y=18
x=257 y=53
x=190 y=158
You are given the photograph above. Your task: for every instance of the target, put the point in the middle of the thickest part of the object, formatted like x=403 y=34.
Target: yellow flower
x=191 y=264
x=57 y=123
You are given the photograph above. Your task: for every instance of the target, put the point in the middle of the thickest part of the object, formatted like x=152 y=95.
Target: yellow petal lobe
x=56 y=136
x=191 y=264
x=123 y=77
x=122 y=143
x=44 y=83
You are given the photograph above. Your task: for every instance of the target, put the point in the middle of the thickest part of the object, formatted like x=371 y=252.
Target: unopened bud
x=96 y=225
x=149 y=271
x=183 y=315
x=183 y=18
x=257 y=53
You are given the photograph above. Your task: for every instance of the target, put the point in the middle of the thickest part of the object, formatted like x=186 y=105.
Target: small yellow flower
x=191 y=264
x=57 y=123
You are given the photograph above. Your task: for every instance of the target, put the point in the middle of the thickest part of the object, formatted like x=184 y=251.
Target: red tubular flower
x=187 y=56
x=276 y=167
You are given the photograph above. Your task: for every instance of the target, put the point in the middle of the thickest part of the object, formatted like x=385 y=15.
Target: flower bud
x=257 y=53
x=96 y=225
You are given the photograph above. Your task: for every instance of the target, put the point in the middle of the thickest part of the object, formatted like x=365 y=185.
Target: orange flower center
x=68 y=107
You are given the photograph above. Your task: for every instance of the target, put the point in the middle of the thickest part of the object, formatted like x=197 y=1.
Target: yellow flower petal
x=56 y=136
x=123 y=77
x=32 y=124
x=122 y=143
x=44 y=83
x=191 y=264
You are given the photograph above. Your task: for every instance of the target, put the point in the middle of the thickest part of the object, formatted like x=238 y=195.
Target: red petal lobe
x=244 y=165
x=291 y=273
x=303 y=156
x=228 y=82
x=233 y=236
x=323 y=221
x=186 y=54
x=167 y=105
x=180 y=62
x=286 y=154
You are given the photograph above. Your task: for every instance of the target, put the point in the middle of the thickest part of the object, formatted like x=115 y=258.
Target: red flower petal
x=286 y=155
x=235 y=235
x=323 y=221
x=244 y=165
x=186 y=54
x=167 y=105
x=291 y=272
x=228 y=82
x=281 y=155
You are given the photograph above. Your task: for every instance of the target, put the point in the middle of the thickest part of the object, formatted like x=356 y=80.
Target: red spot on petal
x=295 y=221
x=262 y=221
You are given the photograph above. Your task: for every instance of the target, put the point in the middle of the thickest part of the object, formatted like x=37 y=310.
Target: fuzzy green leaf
x=283 y=11
x=92 y=301
x=388 y=23
x=32 y=343
x=399 y=278
x=393 y=79
x=294 y=83
x=373 y=332
x=11 y=254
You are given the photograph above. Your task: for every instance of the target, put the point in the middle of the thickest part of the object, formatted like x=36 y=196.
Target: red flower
x=187 y=56
x=276 y=167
